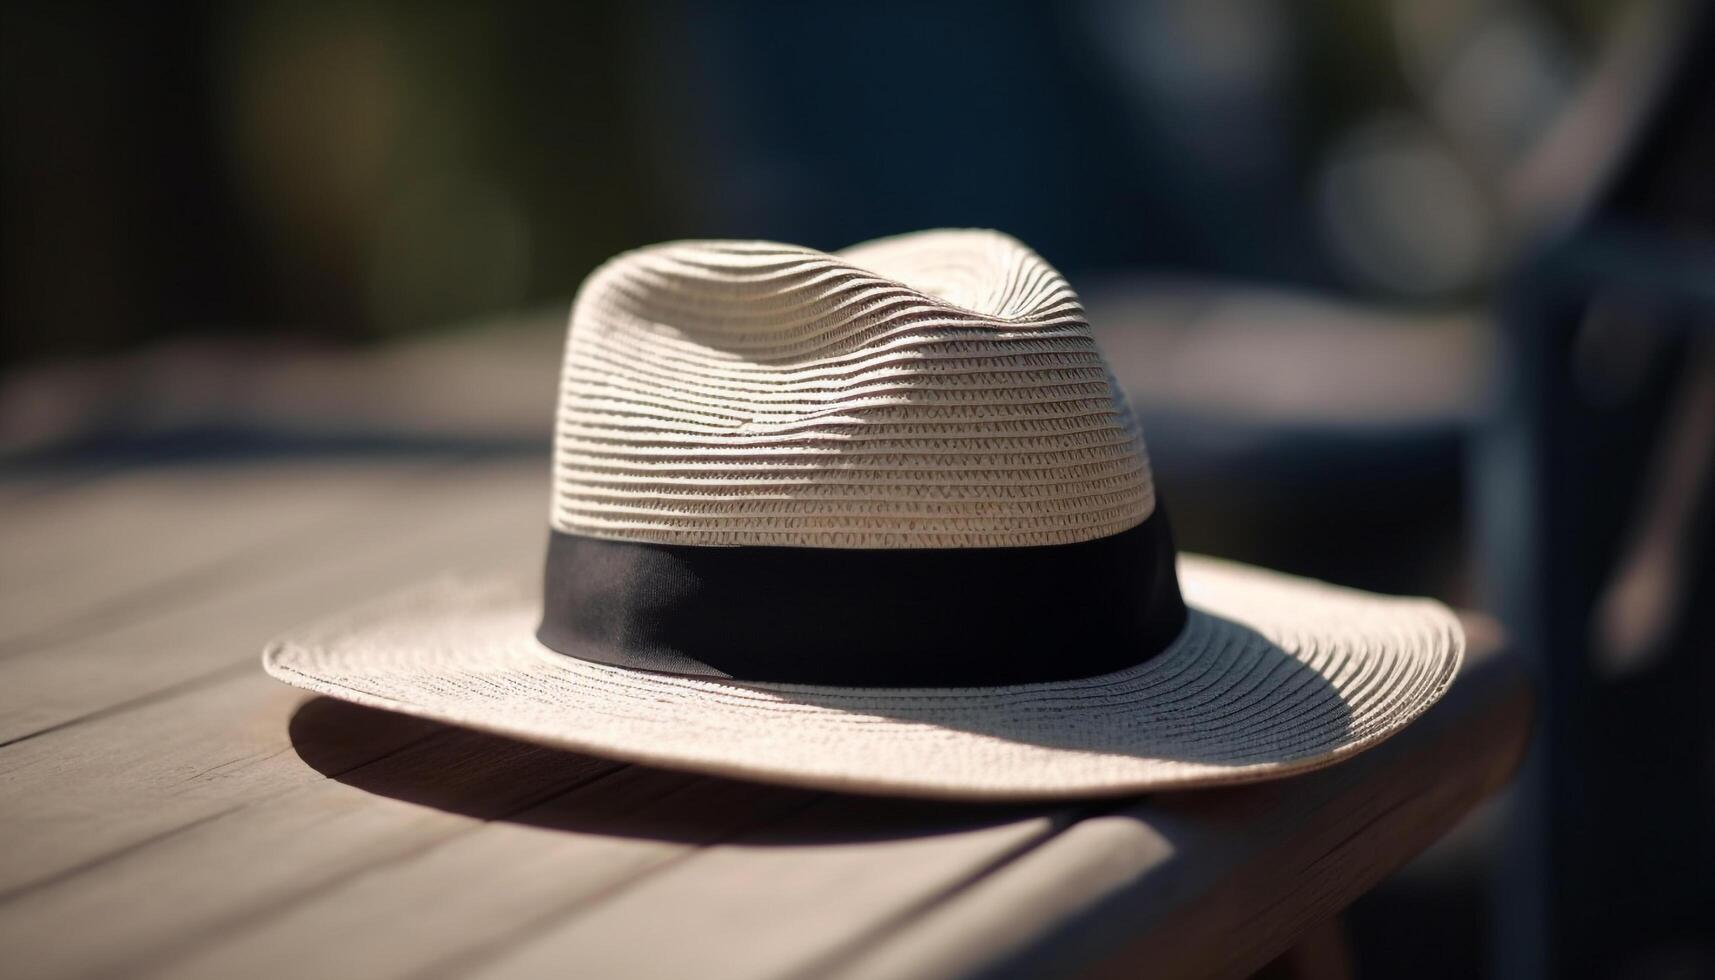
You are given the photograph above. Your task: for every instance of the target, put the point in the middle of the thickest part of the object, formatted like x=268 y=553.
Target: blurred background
x=1413 y=295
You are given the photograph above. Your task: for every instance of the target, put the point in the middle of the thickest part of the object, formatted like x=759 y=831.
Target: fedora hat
x=877 y=520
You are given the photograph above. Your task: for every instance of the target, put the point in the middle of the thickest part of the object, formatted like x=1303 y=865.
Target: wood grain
x=491 y=884
x=142 y=539
x=778 y=902
x=182 y=889
x=180 y=724
x=473 y=518
x=87 y=793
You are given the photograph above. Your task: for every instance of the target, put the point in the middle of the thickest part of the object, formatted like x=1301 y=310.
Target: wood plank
x=475 y=518
x=489 y=884
x=83 y=794
x=139 y=540
x=233 y=868
x=775 y=902
x=1217 y=883
x=205 y=730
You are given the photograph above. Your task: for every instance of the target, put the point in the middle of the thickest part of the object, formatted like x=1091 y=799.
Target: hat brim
x=1272 y=675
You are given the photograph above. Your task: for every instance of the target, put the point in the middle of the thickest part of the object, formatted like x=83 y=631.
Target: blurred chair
x=1595 y=482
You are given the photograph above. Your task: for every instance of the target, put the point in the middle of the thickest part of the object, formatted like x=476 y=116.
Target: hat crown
x=934 y=390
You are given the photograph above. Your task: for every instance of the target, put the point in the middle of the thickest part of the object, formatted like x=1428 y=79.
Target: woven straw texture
x=934 y=390
x=1273 y=675
x=937 y=390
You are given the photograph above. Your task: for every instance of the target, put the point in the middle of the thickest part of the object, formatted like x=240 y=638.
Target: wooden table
x=167 y=810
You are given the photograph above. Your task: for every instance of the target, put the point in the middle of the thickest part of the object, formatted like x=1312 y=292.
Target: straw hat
x=877 y=520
